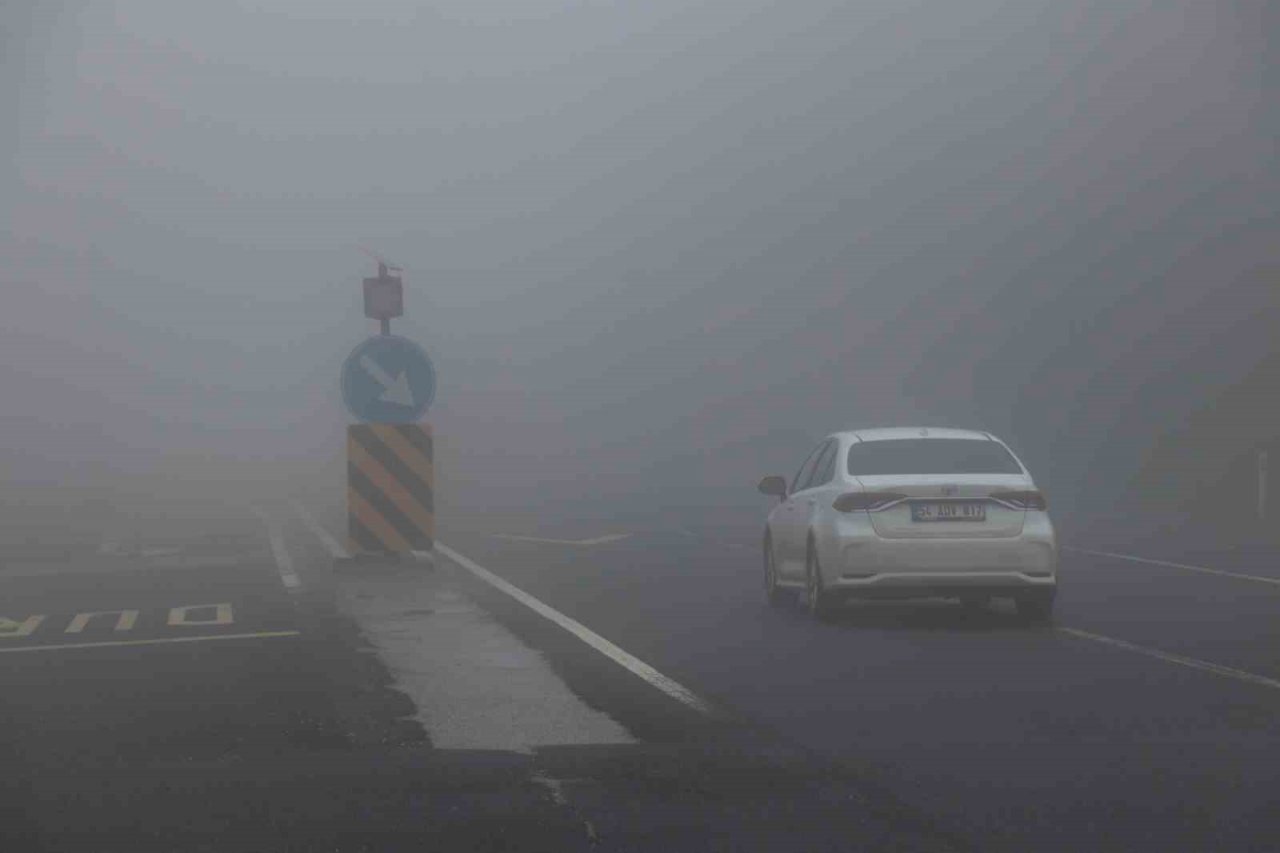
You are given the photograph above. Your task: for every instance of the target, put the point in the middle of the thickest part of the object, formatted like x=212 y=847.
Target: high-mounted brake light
x=1021 y=500
x=869 y=501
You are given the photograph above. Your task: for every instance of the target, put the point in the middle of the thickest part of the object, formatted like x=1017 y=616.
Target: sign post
x=384 y=297
x=388 y=382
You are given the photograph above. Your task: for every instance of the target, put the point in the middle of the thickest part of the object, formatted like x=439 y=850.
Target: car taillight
x=1021 y=500
x=869 y=501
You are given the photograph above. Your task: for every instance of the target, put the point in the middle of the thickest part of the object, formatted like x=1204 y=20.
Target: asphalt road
x=1147 y=717
x=186 y=675
x=189 y=674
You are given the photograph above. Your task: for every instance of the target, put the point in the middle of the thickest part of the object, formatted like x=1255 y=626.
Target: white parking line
x=56 y=647
x=330 y=544
x=628 y=661
x=284 y=562
x=1170 y=565
x=1192 y=663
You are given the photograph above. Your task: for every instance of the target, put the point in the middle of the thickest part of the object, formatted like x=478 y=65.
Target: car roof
x=885 y=433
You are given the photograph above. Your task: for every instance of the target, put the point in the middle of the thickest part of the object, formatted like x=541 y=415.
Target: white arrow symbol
x=395 y=391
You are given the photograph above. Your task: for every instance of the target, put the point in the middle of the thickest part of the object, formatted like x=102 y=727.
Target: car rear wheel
x=1035 y=606
x=818 y=601
x=774 y=594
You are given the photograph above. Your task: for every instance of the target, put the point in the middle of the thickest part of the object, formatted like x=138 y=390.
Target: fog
x=655 y=249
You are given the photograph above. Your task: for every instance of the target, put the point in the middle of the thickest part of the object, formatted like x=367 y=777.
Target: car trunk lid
x=947 y=506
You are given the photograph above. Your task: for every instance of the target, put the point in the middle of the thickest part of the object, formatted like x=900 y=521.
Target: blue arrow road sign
x=388 y=380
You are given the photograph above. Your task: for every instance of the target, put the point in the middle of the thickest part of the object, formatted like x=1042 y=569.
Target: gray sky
x=646 y=242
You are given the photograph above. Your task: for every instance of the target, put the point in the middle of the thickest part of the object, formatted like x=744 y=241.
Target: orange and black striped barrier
x=390 y=495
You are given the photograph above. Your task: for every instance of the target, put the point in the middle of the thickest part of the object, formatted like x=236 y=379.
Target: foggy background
x=656 y=249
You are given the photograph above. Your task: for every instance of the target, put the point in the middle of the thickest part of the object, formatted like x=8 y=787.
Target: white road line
x=1169 y=565
x=599 y=540
x=260 y=635
x=637 y=667
x=330 y=544
x=284 y=562
x=1192 y=663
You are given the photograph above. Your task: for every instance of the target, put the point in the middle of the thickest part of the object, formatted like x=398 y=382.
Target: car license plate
x=949 y=511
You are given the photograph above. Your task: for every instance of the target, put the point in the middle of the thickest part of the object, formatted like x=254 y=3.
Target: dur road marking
x=14 y=628
x=182 y=615
x=637 y=667
x=1181 y=660
x=1171 y=565
x=191 y=615
x=125 y=620
x=55 y=647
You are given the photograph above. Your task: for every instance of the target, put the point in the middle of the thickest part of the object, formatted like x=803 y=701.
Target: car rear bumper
x=874 y=566
x=949 y=585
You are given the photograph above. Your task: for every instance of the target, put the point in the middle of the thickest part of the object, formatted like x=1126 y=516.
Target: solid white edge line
x=330 y=544
x=1167 y=564
x=1168 y=657
x=260 y=635
x=625 y=659
x=284 y=562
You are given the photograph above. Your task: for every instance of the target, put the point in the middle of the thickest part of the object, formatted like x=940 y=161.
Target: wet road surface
x=167 y=686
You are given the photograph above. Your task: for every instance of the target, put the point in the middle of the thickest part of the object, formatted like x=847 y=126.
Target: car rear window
x=930 y=456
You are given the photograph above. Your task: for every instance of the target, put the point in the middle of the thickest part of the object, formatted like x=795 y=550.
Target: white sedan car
x=911 y=513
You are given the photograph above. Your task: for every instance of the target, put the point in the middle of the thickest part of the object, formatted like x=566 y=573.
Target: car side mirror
x=773 y=485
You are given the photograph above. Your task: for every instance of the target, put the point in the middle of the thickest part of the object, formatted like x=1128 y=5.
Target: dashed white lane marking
x=1170 y=565
x=581 y=543
x=309 y=521
x=284 y=562
x=1181 y=660
x=56 y=647
x=628 y=661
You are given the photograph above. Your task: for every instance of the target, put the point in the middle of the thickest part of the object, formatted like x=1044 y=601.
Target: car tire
x=775 y=595
x=817 y=600
x=1036 y=606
